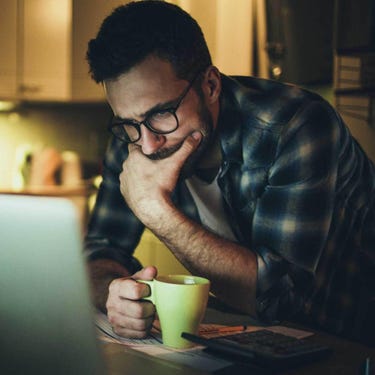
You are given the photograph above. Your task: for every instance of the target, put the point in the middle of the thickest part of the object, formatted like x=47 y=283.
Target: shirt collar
x=230 y=122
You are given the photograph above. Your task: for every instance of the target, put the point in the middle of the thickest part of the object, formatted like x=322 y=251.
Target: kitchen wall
x=64 y=126
x=228 y=27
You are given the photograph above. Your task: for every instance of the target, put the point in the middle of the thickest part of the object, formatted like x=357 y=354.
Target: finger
x=126 y=288
x=146 y=273
x=132 y=147
x=131 y=327
x=129 y=288
x=133 y=319
x=136 y=309
x=190 y=143
x=140 y=309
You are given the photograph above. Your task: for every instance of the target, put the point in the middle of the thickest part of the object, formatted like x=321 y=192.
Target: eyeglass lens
x=160 y=123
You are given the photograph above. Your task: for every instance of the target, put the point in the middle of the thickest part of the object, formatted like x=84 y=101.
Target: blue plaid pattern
x=298 y=190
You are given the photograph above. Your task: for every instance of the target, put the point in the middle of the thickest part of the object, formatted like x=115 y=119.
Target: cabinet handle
x=30 y=89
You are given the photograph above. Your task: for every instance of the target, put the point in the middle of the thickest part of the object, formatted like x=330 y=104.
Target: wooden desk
x=123 y=360
x=346 y=359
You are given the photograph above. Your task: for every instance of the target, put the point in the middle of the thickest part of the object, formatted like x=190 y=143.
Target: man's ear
x=212 y=84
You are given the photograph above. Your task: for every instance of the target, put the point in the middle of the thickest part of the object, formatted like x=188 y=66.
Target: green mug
x=180 y=302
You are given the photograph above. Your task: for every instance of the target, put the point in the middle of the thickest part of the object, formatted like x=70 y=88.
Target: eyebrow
x=156 y=108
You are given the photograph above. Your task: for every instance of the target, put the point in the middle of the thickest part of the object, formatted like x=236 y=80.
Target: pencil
x=226 y=329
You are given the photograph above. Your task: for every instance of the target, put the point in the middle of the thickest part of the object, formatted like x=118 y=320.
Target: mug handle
x=150 y=283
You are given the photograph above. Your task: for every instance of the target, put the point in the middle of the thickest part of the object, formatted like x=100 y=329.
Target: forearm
x=102 y=273
x=231 y=268
x=147 y=186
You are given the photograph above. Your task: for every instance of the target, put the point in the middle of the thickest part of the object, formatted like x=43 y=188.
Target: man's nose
x=150 y=142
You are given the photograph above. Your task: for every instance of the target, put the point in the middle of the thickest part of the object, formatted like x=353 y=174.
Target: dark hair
x=139 y=29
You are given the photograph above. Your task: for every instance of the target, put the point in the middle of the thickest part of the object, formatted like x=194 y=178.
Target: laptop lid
x=45 y=312
x=46 y=317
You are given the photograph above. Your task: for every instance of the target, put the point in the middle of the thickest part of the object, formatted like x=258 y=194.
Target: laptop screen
x=46 y=316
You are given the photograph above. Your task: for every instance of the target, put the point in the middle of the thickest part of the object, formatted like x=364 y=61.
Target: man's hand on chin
x=147 y=184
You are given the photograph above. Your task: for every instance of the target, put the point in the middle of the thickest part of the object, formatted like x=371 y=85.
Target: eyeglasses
x=163 y=121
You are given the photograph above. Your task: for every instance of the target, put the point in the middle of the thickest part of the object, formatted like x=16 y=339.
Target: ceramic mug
x=180 y=302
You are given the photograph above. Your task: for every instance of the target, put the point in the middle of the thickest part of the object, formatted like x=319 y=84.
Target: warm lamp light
x=8 y=106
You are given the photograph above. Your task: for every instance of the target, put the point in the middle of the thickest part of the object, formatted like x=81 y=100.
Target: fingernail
x=197 y=135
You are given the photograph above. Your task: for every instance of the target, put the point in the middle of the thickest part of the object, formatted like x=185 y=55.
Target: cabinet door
x=87 y=18
x=45 y=43
x=8 y=43
x=46 y=53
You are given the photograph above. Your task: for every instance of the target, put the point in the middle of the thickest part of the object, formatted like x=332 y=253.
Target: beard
x=206 y=128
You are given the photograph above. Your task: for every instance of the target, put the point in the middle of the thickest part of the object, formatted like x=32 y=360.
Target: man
x=256 y=185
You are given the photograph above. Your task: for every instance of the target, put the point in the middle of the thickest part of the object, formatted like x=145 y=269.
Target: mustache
x=164 y=153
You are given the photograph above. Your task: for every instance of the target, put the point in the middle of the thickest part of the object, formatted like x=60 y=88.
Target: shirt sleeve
x=113 y=230
x=293 y=215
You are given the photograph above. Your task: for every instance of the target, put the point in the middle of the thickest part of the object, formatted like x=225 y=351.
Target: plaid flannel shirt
x=298 y=191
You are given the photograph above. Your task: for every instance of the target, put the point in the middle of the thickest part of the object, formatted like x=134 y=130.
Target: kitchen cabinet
x=8 y=56
x=44 y=46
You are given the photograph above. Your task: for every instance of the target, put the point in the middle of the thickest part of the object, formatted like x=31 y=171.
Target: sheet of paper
x=193 y=357
x=297 y=333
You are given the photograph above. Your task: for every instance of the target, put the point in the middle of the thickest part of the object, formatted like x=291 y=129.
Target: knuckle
x=137 y=310
x=113 y=286
x=137 y=291
x=111 y=318
x=137 y=325
x=110 y=305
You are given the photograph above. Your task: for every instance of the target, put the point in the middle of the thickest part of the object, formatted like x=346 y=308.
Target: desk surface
x=347 y=356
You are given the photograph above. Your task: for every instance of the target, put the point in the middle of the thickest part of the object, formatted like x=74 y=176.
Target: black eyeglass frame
x=146 y=121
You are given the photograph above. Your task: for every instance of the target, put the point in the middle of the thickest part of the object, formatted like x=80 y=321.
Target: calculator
x=263 y=348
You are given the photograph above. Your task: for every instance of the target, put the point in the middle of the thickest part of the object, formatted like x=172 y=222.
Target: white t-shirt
x=209 y=201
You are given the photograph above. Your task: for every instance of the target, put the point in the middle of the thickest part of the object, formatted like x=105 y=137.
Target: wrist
x=161 y=216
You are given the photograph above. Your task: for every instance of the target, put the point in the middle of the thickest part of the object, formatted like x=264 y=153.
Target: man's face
x=152 y=85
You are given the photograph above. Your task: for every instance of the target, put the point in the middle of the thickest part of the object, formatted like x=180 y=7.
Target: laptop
x=45 y=313
x=46 y=317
